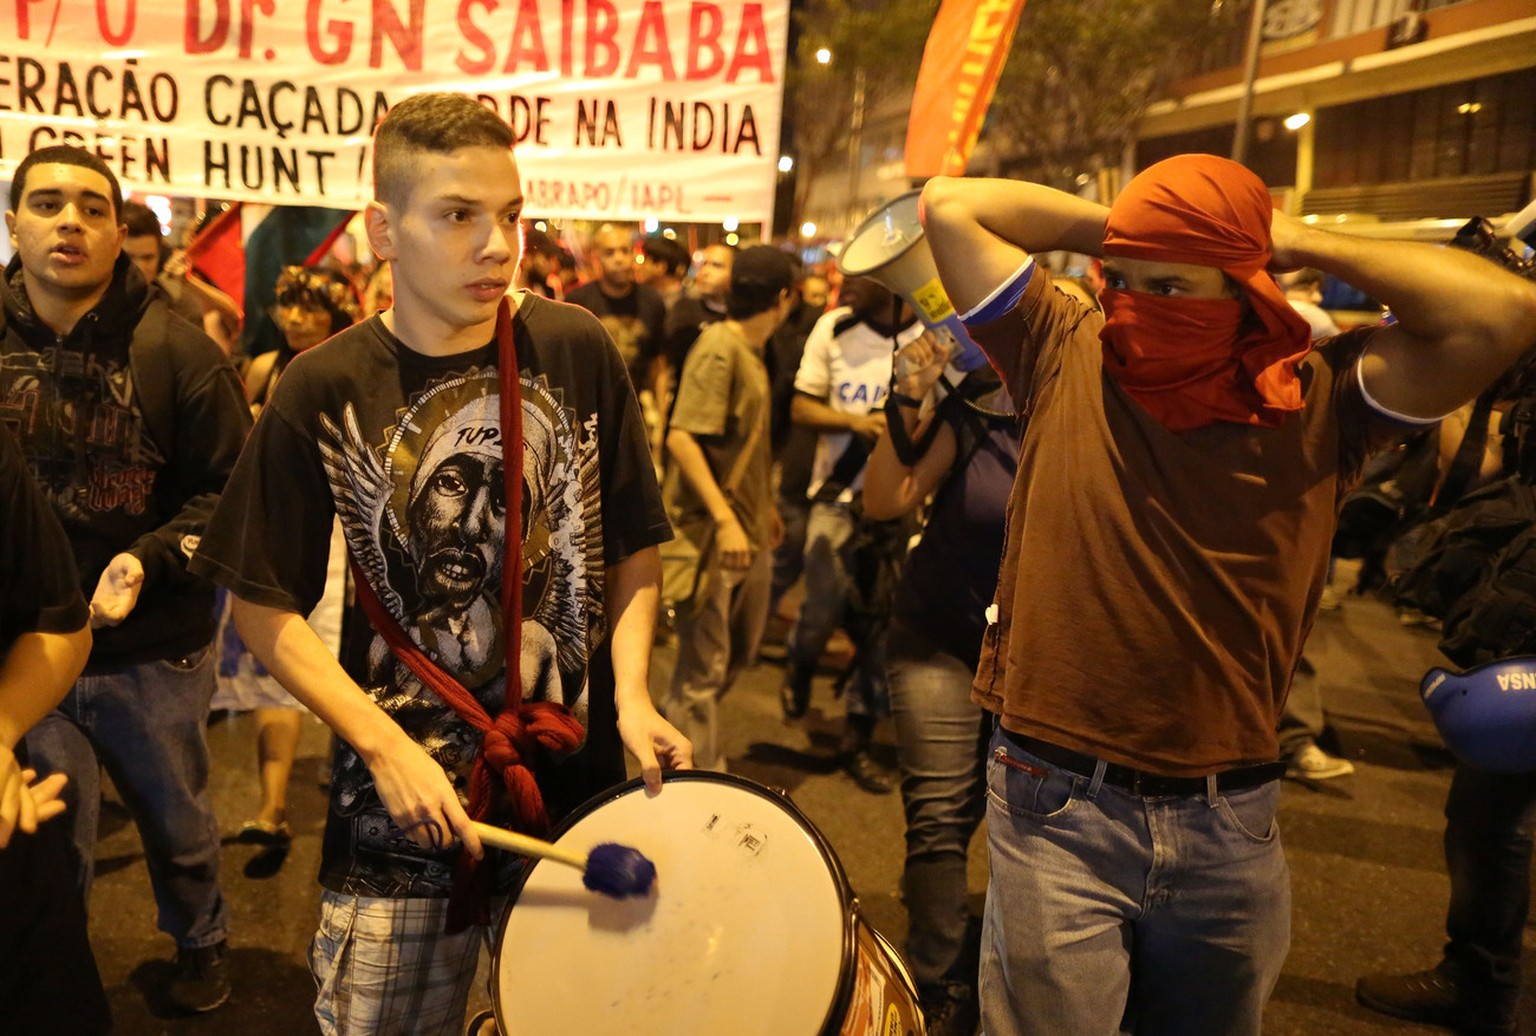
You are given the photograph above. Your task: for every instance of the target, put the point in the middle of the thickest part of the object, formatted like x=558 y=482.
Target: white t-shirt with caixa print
x=847 y=365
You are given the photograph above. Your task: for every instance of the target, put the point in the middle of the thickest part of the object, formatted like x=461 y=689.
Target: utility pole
x=856 y=148
x=1251 y=68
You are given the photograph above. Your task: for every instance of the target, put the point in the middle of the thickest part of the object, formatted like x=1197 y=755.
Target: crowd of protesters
x=792 y=434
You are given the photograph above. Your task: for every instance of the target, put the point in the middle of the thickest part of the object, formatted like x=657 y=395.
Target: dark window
x=1477 y=127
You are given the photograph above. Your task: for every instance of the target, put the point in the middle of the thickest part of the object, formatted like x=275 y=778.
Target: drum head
x=745 y=932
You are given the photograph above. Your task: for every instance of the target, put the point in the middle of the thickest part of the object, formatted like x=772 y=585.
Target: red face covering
x=1194 y=362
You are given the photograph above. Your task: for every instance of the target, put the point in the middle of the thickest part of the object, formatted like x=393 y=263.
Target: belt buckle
x=1136 y=776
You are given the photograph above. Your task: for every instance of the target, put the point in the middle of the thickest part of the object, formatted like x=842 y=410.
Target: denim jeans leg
x=789 y=555
x=150 y=723
x=1217 y=906
x=1105 y=906
x=826 y=586
x=1490 y=819
x=1065 y=883
x=868 y=693
x=941 y=742
x=1303 y=720
x=60 y=744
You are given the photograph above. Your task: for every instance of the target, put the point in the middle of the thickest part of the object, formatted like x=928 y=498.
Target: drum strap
x=518 y=733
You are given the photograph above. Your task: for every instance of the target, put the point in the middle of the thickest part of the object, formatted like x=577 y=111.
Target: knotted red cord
x=512 y=740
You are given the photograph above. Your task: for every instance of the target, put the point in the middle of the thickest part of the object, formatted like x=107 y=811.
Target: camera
x=1479 y=238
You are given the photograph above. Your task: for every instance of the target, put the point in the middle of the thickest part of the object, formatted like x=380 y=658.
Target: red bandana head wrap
x=1194 y=362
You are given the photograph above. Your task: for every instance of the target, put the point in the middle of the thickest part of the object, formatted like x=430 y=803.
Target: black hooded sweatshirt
x=131 y=424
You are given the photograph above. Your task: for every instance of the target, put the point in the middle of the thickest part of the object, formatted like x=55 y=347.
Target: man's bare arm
x=891 y=487
x=731 y=543
x=632 y=595
x=981 y=231
x=808 y=411
x=412 y=786
x=35 y=675
x=221 y=317
x=1461 y=320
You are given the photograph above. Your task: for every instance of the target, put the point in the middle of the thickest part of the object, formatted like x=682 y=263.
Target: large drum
x=751 y=928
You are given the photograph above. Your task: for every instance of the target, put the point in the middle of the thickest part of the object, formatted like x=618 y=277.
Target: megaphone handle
x=968 y=356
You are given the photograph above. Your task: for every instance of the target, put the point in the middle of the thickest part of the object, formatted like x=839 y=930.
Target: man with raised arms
x=1166 y=548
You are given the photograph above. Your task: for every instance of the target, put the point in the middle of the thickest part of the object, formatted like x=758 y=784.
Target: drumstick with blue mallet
x=612 y=869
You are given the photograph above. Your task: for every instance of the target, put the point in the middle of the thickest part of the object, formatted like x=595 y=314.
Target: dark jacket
x=131 y=423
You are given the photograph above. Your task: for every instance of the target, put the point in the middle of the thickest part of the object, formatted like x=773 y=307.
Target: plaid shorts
x=384 y=966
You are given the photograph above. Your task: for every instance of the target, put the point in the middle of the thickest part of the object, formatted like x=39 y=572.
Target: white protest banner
x=622 y=109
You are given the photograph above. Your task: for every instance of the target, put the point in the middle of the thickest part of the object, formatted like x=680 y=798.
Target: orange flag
x=964 y=56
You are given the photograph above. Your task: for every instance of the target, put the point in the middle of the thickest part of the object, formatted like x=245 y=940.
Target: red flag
x=217 y=254
x=962 y=60
x=323 y=248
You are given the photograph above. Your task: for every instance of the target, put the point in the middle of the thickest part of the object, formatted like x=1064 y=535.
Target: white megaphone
x=889 y=249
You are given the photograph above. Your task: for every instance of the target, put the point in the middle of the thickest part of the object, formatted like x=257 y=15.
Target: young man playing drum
x=1166 y=547
x=406 y=425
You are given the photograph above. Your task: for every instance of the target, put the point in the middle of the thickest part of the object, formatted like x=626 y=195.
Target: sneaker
x=265 y=833
x=866 y=773
x=950 y=1010
x=1313 y=764
x=201 y=982
x=1434 y=998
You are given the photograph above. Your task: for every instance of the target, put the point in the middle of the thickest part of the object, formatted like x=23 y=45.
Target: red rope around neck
x=513 y=739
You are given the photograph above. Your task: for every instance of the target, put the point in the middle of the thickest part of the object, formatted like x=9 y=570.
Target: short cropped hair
x=668 y=254
x=140 y=220
x=439 y=123
x=609 y=228
x=64 y=154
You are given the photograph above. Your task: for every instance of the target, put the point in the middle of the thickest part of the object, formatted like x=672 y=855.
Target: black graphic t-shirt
x=637 y=323
x=406 y=448
x=39 y=590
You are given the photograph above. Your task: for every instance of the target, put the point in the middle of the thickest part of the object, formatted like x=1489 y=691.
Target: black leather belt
x=1139 y=782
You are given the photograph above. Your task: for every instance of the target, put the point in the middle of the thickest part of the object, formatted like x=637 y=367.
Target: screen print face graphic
x=440 y=490
x=446 y=497
x=456 y=514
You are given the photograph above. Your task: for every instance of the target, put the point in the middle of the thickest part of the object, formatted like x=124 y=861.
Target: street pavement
x=1368 y=879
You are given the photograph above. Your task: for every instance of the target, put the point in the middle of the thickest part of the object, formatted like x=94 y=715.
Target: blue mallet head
x=618 y=871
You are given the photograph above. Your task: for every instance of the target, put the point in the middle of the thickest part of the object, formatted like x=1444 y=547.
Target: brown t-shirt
x=722 y=396
x=1157 y=587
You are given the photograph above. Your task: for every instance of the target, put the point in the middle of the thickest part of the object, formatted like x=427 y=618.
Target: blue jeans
x=1490 y=819
x=148 y=725
x=1107 y=909
x=834 y=599
x=789 y=555
x=941 y=743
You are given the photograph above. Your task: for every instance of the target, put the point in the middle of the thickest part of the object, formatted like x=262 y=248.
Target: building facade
x=1416 y=109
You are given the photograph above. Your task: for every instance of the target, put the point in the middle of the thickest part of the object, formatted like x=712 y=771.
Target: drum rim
x=842 y=994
